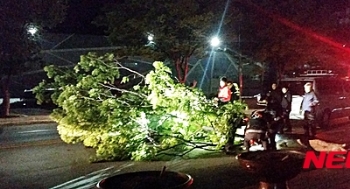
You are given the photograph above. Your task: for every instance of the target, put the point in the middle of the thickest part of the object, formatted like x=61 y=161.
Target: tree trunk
x=182 y=68
x=5 y=106
x=178 y=69
x=186 y=69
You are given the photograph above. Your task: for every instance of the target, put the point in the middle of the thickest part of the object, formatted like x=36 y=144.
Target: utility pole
x=212 y=72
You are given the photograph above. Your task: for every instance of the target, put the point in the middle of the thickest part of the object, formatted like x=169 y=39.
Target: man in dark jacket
x=274 y=108
x=256 y=130
x=274 y=124
x=273 y=98
x=286 y=104
x=308 y=106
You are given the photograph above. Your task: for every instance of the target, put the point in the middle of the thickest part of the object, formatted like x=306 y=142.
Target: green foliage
x=155 y=117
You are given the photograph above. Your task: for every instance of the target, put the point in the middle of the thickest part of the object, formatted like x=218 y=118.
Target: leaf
x=136 y=87
x=125 y=80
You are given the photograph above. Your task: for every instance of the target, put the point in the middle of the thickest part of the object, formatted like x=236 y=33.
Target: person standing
x=273 y=111
x=286 y=104
x=224 y=95
x=308 y=107
x=273 y=98
x=233 y=87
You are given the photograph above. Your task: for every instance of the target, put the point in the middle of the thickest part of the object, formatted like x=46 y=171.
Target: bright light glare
x=32 y=30
x=215 y=41
x=150 y=37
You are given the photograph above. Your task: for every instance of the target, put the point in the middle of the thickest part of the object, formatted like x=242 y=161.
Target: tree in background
x=18 y=22
x=180 y=29
x=291 y=34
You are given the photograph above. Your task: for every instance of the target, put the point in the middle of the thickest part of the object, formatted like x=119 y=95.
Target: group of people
x=275 y=118
x=264 y=125
x=281 y=102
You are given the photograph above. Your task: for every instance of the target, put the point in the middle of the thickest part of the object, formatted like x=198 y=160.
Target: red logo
x=329 y=160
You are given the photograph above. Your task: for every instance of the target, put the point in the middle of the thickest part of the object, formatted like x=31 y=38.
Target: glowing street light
x=215 y=41
x=32 y=30
x=150 y=37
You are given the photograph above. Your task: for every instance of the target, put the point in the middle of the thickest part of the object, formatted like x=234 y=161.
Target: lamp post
x=215 y=42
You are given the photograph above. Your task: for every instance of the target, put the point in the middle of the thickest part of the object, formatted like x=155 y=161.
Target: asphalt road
x=59 y=166
x=50 y=163
x=42 y=165
x=62 y=166
x=13 y=136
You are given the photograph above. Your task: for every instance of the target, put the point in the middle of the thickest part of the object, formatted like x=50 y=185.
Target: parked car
x=333 y=94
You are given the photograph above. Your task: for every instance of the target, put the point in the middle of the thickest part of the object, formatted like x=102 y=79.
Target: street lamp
x=32 y=29
x=150 y=38
x=215 y=42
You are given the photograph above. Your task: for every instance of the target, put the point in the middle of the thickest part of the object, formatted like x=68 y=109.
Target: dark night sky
x=80 y=14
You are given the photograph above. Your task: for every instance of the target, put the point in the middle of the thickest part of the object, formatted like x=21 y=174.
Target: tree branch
x=123 y=90
x=130 y=70
x=193 y=144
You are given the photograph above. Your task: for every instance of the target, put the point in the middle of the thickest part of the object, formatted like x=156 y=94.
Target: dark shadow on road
x=228 y=176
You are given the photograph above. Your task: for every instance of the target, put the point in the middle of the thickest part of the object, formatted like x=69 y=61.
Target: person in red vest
x=224 y=95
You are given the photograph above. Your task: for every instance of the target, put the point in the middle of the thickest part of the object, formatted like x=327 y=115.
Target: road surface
x=58 y=165
x=15 y=136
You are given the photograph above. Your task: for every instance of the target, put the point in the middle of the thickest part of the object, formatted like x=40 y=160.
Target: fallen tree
x=156 y=116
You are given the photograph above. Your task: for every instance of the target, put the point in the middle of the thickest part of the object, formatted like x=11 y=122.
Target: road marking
x=35 y=131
